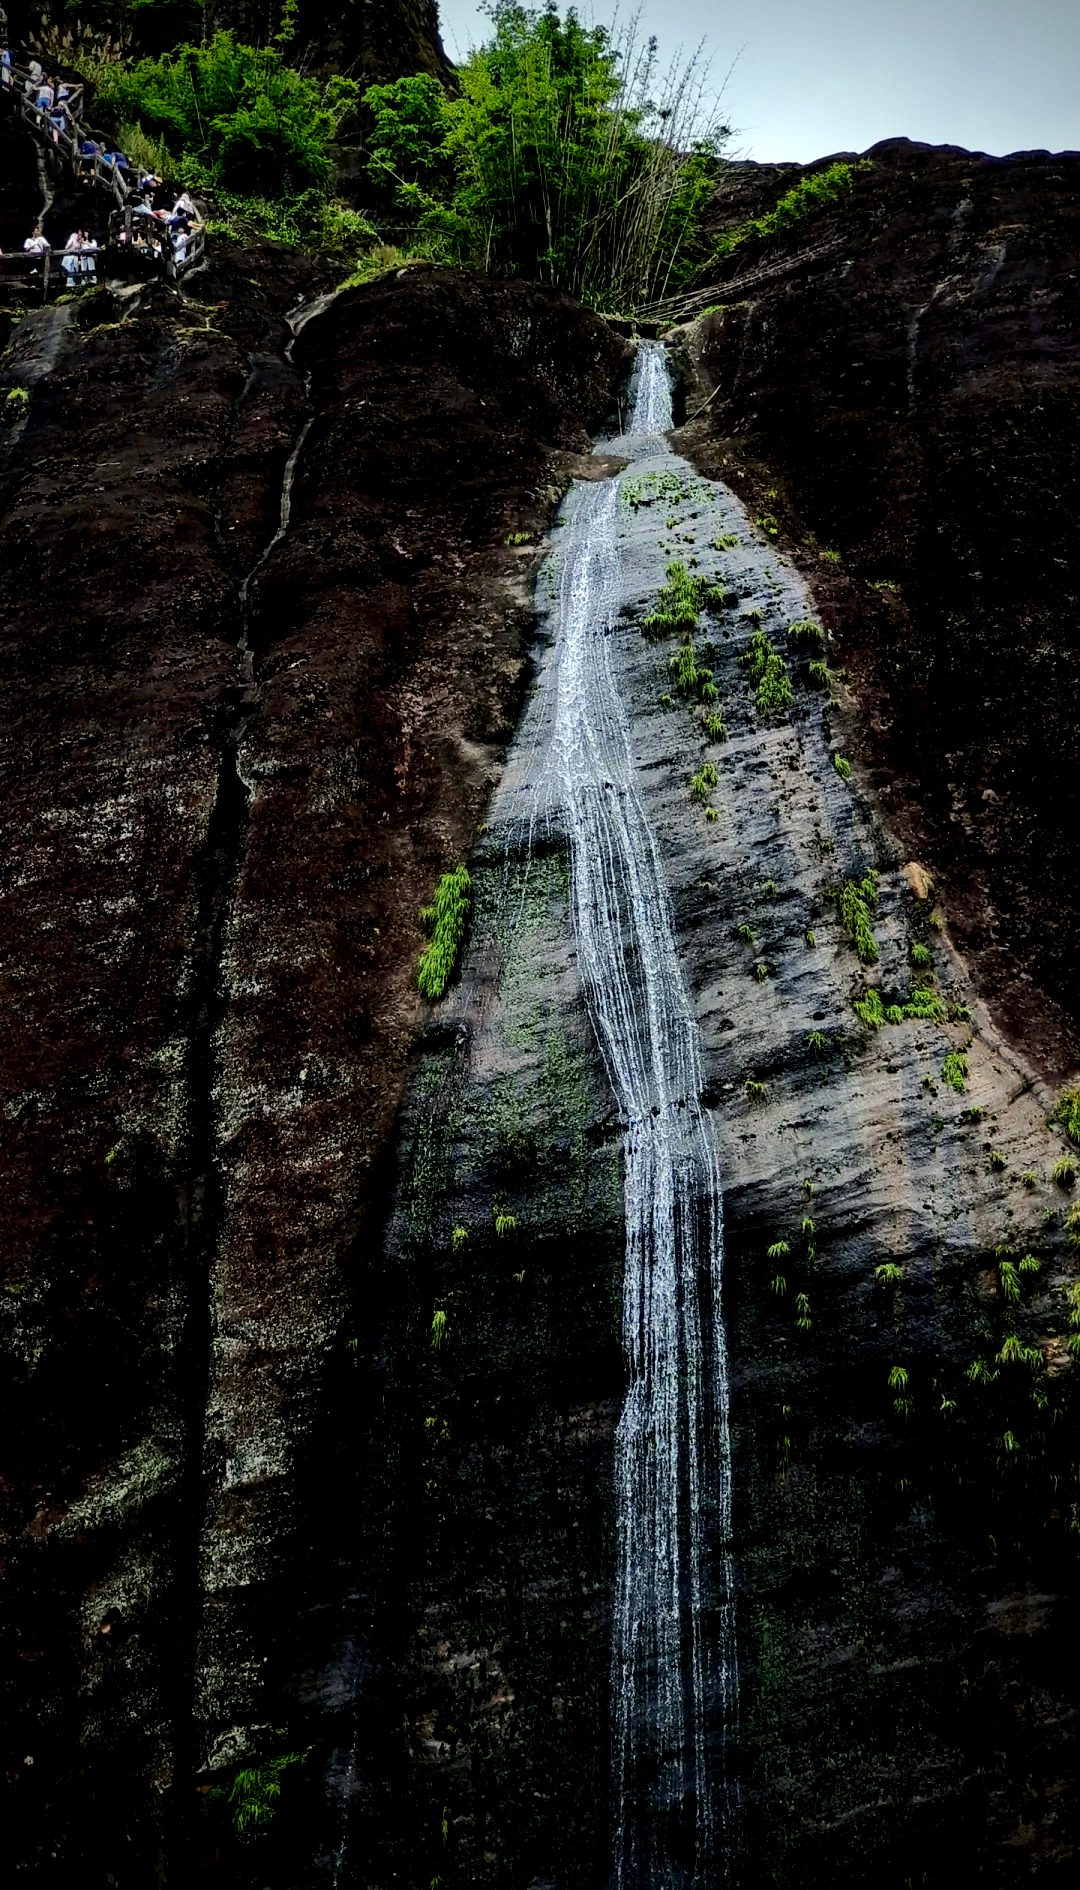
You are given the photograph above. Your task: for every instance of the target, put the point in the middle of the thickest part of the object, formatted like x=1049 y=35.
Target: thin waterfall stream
x=674 y=1675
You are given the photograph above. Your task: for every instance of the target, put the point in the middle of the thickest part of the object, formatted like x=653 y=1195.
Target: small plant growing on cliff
x=779 y=1250
x=1029 y=1178
x=806 y=635
x=458 y=1238
x=715 y=728
x=1067 y=1112
x=802 y=1312
x=870 y=1010
x=830 y=557
x=955 y=1070
x=745 y=934
x=761 y=972
x=1030 y=1263
x=254 y=1793
x=809 y=937
x=889 y=1275
x=678 y=605
x=778 y=1285
x=726 y=542
x=898 y=1384
x=817 y=1043
x=712 y=814
x=768 y=675
x=445 y=919
x=1009 y=1280
x=703 y=780
x=919 y=955
x=756 y=1092
x=505 y=1224
x=853 y=902
x=997 y=1159
x=18 y=400
x=842 y=766
x=818 y=677
x=439 y=1329
x=1064 y=1171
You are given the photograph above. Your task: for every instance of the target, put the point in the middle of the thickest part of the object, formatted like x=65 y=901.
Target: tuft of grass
x=869 y=1009
x=817 y=1042
x=1029 y=1178
x=806 y=635
x=519 y=538
x=1009 y=1280
x=439 y=1332
x=458 y=1238
x=761 y=972
x=254 y=1793
x=818 y=677
x=919 y=954
x=955 y=1070
x=755 y=1091
x=445 y=919
x=842 y=766
x=830 y=557
x=705 y=778
x=678 y=606
x=1030 y=1263
x=778 y=1251
x=712 y=814
x=1064 y=1171
x=889 y=1274
x=727 y=540
x=778 y=1285
x=809 y=937
x=997 y=1159
x=802 y=1312
x=1067 y=1112
x=768 y=676
x=745 y=934
x=505 y=1225
x=18 y=400
x=715 y=728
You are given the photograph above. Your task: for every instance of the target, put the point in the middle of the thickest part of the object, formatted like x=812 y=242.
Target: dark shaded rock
x=896 y=381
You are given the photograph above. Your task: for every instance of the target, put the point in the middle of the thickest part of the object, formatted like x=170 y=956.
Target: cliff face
x=377 y=41
x=249 y=1503
x=894 y=382
x=226 y=823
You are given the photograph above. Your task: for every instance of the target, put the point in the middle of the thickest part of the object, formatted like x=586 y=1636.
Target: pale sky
x=817 y=76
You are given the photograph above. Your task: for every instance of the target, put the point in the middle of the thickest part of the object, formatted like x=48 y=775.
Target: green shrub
x=761 y=972
x=997 y=1159
x=802 y=1312
x=842 y=766
x=1064 y=1171
x=817 y=1043
x=445 y=919
x=919 y=955
x=566 y=157
x=705 y=779
x=755 y=1091
x=458 y=1238
x=254 y=1793
x=889 y=1274
x=853 y=901
x=869 y=1009
x=745 y=934
x=715 y=728
x=778 y=1251
x=818 y=677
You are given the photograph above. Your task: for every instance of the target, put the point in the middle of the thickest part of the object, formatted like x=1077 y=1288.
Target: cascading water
x=674 y=1669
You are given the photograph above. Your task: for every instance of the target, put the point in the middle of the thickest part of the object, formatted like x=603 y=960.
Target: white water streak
x=674 y=1673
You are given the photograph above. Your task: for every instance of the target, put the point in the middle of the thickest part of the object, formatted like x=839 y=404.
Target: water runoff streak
x=674 y=1671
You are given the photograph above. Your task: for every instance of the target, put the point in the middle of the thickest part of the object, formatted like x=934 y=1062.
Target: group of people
x=164 y=234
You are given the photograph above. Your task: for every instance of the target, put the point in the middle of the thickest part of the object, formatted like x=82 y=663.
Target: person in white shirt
x=35 y=244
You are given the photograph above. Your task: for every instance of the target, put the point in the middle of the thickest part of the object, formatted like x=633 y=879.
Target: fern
x=445 y=918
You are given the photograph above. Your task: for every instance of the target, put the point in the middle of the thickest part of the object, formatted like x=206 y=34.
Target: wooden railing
x=68 y=137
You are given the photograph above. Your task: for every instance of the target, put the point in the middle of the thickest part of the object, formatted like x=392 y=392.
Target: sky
x=816 y=76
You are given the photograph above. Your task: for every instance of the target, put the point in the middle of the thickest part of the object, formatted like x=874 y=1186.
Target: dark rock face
x=375 y=42
x=209 y=933
x=896 y=381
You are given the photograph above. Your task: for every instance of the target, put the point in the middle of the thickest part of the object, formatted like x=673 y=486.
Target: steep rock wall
x=195 y=1105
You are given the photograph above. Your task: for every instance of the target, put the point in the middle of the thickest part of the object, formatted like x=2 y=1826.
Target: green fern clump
x=755 y=1091
x=842 y=766
x=715 y=728
x=438 y=1329
x=678 y=606
x=806 y=635
x=889 y=1274
x=745 y=934
x=817 y=1043
x=779 y=1250
x=811 y=193
x=955 y=1070
x=802 y=1312
x=919 y=955
x=768 y=675
x=1064 y=1171
x=706 y=778
x=870 y=1010
x=445 y=919
x=254 y=1793
x=761 y=972
x=925 y=1003
x=853 y=901
x=818 y=676
x=1067 y=1112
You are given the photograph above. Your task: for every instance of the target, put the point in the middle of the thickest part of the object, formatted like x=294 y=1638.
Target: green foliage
x=802 y=1312
x=925 y=1003
x=842 y=766
x=997 y=1159
x=712 y=813
x=243 y=119
x=1064 y=1171
x=678 y=606
x=705 y=779
x=889 y=1275
x=1009 y=1280
x=439 y=1330
x=809 y=937
x=755 y=1091
x=761 y=972
x=778 y=1285
x=817 y=1042
x=806 y=635
x=920 y=955
x=830 y=557
x=1030 y=1263
x=18 y=400
x=853 y=901
x=768 y=675
x=745 y=934
x=808 y=195
x=778 y=1251
x=818 y=676
x=1067 y=1112
x=869 y=1009
x=505 y=1224
x=566 y=157
x=647 y=488
x=1029 y=1178
x=955 y=1070
x=254 y=1793
x=715 y=728
x=458 y=1238
x=445 y=919
x=727 y=540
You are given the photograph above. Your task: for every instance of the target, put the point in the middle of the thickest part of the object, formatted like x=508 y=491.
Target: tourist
x=35 y=244
x=5 y=65
x=184 y=206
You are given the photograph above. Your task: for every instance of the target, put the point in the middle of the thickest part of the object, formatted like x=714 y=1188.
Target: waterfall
x=674 y=1676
